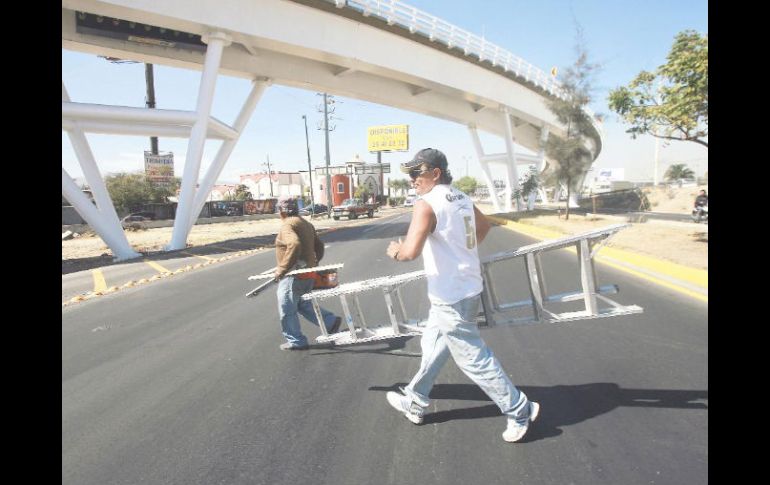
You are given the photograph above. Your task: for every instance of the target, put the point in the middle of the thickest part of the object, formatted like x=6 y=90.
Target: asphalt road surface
x=181 y=381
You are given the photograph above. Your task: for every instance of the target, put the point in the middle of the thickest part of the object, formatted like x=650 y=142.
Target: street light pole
x=328 y=175
x=269 y=175
x=309 y=170
x=150 y=80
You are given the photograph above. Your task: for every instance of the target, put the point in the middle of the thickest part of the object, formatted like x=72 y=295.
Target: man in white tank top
x=446 y=229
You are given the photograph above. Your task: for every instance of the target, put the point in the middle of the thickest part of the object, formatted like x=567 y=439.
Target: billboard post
x=387 y=138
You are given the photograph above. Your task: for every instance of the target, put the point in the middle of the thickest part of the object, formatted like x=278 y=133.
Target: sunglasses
x=416 y=172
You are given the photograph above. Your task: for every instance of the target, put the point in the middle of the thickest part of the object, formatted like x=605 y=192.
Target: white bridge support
x=450 y=74
x=122 y=120
x=216 y=44
x=511 y=171
x=544 y=132
x=102 y=217
x=258 y=88
x=507 y=160
x=510 y=160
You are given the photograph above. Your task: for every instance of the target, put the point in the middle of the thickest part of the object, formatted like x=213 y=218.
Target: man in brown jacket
x=297 y=246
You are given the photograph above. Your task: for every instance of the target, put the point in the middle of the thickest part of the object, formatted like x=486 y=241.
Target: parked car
x=409 y=201
x=146 y=214
x=352 y=208
x=133 y=220
x=317 y=209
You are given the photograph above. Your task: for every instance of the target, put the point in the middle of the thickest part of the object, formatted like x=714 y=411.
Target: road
x=181 y=381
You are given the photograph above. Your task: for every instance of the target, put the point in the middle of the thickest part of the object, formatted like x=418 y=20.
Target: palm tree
x=679 y=171
x=400 y=185
x=405 y=185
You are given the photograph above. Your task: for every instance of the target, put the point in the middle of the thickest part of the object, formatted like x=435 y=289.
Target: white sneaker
x=515 y=431
x=404 y=404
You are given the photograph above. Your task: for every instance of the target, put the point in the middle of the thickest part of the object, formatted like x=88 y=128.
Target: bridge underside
x=320 y=52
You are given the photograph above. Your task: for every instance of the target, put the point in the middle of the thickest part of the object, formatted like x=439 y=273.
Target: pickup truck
x=352 y=208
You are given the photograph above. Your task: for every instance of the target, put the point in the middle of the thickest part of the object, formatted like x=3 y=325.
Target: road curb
x=133 y=283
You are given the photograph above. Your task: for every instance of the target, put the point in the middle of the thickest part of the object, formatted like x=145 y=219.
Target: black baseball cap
x=430 y=156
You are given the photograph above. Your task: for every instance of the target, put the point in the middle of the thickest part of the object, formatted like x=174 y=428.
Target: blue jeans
x=452 y=330
x=290 y=306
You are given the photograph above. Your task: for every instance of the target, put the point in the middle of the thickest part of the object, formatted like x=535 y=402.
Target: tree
x=466 y=184
x=571 y=155
x=678 y=108
x=529 y=185
x=400 y=185
x=360 y=192
x=679 y=171
x=129 y=191
x=242 y=193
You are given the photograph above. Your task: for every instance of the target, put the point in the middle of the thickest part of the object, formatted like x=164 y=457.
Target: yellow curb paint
x=197 y=255
x=156 y=266
x=694 y=276
x=703 y=298
x=99 y=283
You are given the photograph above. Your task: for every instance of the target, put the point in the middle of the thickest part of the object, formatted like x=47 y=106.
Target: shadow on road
x=561 y=405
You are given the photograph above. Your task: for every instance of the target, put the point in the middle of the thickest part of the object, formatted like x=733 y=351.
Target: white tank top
x=451 y=254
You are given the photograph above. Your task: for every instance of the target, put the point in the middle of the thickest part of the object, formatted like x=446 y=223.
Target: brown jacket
x=297 y=240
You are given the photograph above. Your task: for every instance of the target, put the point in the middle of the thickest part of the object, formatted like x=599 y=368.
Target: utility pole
x=382 y=188
x=150 y=80
x=328 y=175
x=269 y=176
x=328 y=99
x=309 y=170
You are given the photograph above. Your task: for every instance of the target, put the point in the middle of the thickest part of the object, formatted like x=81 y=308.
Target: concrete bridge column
x=484 y=167
x=512 y=184
x=216 y=41
x=257 y=89
x=102 y=217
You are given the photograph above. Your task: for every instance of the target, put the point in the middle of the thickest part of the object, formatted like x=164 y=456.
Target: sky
x=624 y=37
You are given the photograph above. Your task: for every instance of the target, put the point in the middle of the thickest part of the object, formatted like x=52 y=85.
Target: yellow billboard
x=388 y=138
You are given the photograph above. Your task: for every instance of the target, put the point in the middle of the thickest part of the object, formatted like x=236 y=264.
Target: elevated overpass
x=382 y=51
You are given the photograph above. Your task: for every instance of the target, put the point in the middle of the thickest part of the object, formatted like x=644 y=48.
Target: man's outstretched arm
x=482 y=225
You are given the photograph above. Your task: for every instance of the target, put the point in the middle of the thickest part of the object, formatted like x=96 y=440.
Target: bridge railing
x=438 y=30
x=395 y=12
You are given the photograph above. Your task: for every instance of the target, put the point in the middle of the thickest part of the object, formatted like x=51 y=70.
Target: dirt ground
x=677 y=243
x=683 y=243
x=90 y=245
x=676 y=200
